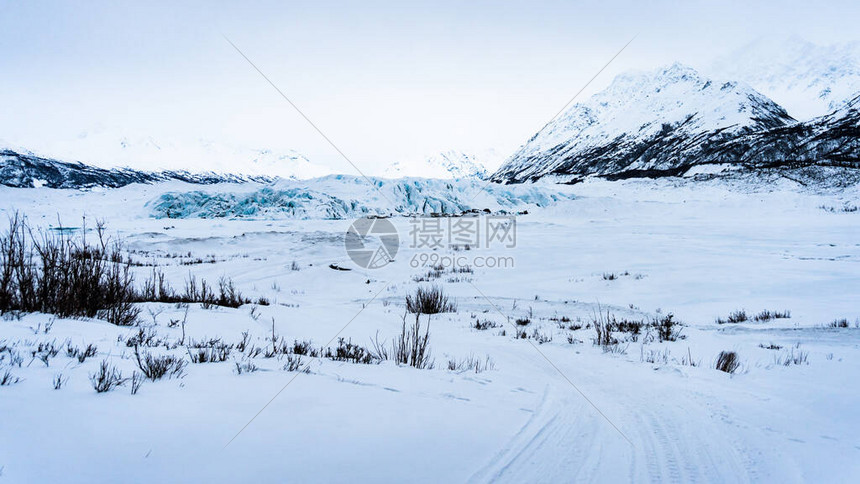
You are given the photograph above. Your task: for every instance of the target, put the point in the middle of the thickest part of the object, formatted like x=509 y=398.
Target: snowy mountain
x=25 y=170
x=114 y=148
x=451 y=164
x=330 y=197
x=809 y=80
x=288 y=165
x=829 y=140
x=660 y=121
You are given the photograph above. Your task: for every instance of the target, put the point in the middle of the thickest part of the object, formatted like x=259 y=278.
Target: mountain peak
x=641 y=121
x=673 y=93
x=669 y=74
x=807 y=78
x=446 y=164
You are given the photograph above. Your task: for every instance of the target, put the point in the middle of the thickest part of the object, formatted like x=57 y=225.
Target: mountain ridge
x=449 y=164
x=808 y=79
x=664 y=122
x=22 y=170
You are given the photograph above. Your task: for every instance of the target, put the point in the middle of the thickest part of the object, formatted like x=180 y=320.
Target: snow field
x=697 y=251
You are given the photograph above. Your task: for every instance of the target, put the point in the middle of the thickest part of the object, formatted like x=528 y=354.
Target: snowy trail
x=566 y=440
x=556 y=444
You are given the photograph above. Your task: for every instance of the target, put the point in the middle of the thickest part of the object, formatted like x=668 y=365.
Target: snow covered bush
x=81 y=354
x=411 y=347
x=667 y=328
x=295 y=363
x=346 y=350
x=157 y=289
x=246 y=366
x=59 y=381
x=472 y=363
x=44 y=351
x=734 y=317
x=728 y=361
x=540 y=337
x=484 y=324
x=304 y=348
x=767 y=315
x=603 y=329
x=791 y=357
x=106 y=378
x=213 y=351
x=146 y=336
x=654 y=356
x=136 y=382
x=429 y=300
x=157 y=367
x=64 y=275
x=741 y=316
x=15 y=358
x=7 y=378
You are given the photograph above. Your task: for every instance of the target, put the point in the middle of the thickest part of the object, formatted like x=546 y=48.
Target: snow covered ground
x=546 y=411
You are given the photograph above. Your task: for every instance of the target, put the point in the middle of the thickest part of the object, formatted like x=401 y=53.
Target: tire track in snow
x=556 y=444
x=564 y=441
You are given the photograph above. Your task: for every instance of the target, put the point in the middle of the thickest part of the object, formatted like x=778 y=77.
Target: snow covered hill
x=654 y=121
x=114 y=148
x=23 y=170
x=830 y=140
x=446 y=165
x=809 y=80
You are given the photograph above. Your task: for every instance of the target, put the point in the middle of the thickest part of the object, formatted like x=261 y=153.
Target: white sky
x=386 y=81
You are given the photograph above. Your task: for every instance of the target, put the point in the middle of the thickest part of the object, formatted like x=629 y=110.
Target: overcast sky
x=386 y=81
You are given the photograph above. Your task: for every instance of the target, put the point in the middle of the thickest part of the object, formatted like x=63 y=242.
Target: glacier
x=345 y=196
